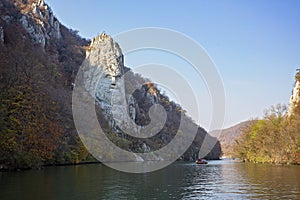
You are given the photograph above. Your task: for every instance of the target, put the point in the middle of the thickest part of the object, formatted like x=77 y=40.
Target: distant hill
x=228 y=136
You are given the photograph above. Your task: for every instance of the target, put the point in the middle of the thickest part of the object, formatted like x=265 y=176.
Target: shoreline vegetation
x=4 y=168
x=275 y=138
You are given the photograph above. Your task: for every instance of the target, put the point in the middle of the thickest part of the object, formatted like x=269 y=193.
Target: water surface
x=217 y=180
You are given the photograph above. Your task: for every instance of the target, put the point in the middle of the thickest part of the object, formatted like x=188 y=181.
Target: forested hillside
x=35 y=83
x=39 y=60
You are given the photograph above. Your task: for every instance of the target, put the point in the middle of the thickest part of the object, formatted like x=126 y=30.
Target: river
x=217 y=180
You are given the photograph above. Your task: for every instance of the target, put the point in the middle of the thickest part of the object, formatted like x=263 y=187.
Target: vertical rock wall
x=295 y=98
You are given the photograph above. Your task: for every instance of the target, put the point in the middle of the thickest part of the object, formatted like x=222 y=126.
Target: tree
x=273 y=139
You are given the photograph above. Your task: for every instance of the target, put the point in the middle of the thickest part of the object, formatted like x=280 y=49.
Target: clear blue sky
x=254 y=44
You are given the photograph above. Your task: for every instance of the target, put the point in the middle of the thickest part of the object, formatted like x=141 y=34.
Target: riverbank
x=4 y=168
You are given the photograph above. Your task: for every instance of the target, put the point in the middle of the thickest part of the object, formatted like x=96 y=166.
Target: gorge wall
x=130 y=103
x=39 y=60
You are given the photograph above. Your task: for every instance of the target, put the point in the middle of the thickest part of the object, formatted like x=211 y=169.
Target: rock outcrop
x=105 y=75
x=45 y=27
x=295 y=98
x=105 y=66
x=131 y=104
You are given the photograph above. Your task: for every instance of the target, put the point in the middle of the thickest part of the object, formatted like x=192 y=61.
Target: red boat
x=201 y=161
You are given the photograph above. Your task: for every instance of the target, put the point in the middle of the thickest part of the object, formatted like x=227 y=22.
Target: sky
x=255 y=44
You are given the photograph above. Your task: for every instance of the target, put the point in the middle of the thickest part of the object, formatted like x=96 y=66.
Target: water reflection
x=229 y=180
x=218 y=180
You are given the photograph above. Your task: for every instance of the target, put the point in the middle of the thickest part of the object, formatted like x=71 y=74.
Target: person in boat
x=201 y=161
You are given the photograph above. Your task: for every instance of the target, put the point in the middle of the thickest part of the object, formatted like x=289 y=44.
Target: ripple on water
x=217 y=180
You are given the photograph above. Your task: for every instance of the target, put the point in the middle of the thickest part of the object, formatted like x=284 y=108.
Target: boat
x=201 y=161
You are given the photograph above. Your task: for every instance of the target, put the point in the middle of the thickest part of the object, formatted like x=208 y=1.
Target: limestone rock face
x=45 y=26
x=107 y=54
x=104 y=67
x=295 y=98
x=105 y=80
x=132 y=105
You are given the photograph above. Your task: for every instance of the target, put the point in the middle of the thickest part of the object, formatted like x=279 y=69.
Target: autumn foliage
x=274 y=139
x=35 y=98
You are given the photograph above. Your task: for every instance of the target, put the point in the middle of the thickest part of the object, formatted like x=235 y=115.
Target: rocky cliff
x=131 y=104
x=107 y=80
x=38 y=20
x=105 y=66
x=39 y=60
x=295 y=98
